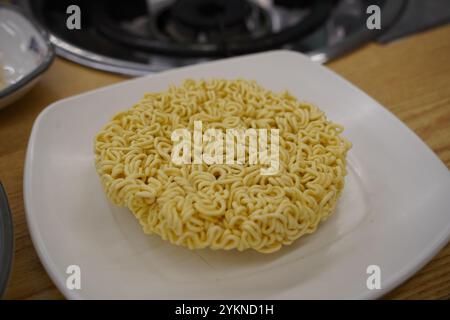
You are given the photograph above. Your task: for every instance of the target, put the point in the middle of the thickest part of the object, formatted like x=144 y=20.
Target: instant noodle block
x=223 y=205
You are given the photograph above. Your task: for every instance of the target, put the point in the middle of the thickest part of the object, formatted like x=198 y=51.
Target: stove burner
x=144 y=36
x=220 y=44
x=205 y=14
x=210 y=21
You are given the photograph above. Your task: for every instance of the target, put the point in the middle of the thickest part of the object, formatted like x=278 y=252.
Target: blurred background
x=141 y=36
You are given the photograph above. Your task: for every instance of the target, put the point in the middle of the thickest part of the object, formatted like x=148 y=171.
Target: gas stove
x=144 y=36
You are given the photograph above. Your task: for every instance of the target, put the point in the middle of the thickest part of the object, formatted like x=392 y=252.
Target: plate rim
x=6 y=240
x=440 y=240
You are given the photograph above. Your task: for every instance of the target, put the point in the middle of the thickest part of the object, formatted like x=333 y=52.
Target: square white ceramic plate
x=394 y=211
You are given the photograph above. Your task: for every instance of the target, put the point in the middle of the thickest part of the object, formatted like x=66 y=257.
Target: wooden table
x=411 y=77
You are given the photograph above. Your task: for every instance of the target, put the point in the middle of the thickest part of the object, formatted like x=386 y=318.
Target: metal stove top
x=144 y=36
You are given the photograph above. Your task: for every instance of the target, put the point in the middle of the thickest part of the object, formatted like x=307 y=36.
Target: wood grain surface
x=411 y=77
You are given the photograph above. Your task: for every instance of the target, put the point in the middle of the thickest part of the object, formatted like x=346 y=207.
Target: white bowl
x=25 y=54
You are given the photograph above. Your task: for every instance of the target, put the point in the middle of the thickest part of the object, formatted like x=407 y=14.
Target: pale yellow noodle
x=223 y=206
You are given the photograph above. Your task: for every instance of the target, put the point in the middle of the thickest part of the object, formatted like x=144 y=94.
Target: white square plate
x=394 y=211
